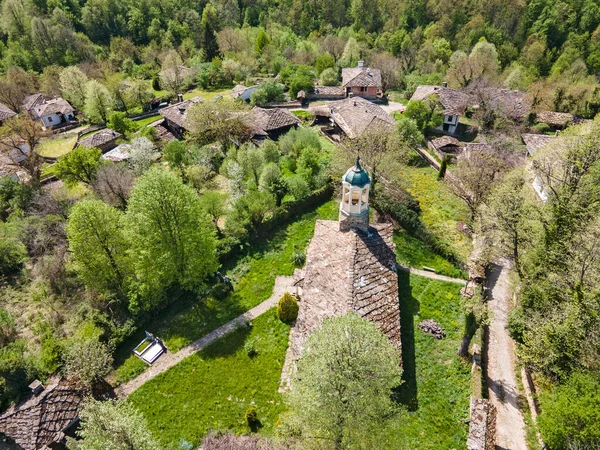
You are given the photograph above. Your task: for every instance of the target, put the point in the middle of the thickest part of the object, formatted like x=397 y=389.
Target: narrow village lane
x=510 y=426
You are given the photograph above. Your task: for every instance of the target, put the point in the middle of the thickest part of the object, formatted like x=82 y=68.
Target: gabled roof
x=34 y=100
x=6 y=112
x=177 y=113
x=329 y=91
x=514 y=104
x=361 y=77
x=445 y=141
x=100 y=138
x=54 y=106
x=41 y=419
x=350 y=271
x=555 y=119
x=454 y=102
x=355 y=115
x=535 y=142
x=266 y=120
x=118 y=154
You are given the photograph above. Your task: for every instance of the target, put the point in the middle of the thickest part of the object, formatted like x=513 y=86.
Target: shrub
x=298 y=259
x=252 y=417
x=12 y=251
x=250 y=348
x=443 y=167
x=541 y=127
x=287 y=309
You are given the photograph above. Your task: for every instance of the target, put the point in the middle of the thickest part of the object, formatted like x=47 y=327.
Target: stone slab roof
x=54 y=106
x=100 y=138
x=267 y=120
x=6 y=112
x=535 y=142
x=329 y=91
x=555 y=119
x=349 y=271
x=361 y=77
x=516 y=105
x=177 y=113
x=454 y=102
x=41 y=420
x=118 y=154
x=33 y=100
x=355 y=115
x=446 y=141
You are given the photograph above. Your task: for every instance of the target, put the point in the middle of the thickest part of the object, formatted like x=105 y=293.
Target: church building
x=350 y=267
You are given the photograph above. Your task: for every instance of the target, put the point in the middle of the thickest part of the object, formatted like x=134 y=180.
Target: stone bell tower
x=354 y=207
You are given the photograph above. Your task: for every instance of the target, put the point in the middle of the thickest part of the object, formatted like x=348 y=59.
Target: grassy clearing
x=440 y=209
x=413 y=252
x=214 y=388
x=148 y=120
x=56 y=146
x=253 y=275
x=437 y=383
x=206 y=95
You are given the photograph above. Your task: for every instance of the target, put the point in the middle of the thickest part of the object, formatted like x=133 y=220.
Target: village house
x=512 y=104
x=535 y=143
x=556 y=120
x=323 y=93
x=44 y=419
x=350 y=267
x=446 y=146
x=104 y=140
x=362 y=82
x=269 y=123
x=118 y=154
x=352 y=117
x=176 y=116
x=52 y=112
x=454 y=104
x=242 y=92
x=5 y=113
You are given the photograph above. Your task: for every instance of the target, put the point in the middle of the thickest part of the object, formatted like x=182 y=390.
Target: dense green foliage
x=287 y=308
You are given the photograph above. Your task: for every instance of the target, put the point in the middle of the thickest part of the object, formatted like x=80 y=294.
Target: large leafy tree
x=344 y=381
x=112 y=425
x=79 y=165
x=98 y=102
x=98 y=245
x=172 y=237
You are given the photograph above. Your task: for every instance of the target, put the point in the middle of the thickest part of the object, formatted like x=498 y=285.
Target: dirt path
x=510 y=426
x=433 y=275
x=168 y=360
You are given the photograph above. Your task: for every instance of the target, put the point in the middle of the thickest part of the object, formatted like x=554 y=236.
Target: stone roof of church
x=349 y=271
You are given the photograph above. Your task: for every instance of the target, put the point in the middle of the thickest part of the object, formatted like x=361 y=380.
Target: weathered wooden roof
x=454 y=102
x=349 y=271
x=361 y=77
x=355 y=115
x=555 y=119
x=33 y=100
x=445 y=141
x=41 y=420
x=100 y=138
x=6 y=112
x=54 y=106
x=266 y=120
x=177 y=113
x=535 y=142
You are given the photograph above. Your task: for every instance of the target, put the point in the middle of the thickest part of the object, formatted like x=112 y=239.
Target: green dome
x=357 y=176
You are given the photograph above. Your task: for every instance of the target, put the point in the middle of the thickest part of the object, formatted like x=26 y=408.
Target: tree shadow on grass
x=406 y=393
x=229 y=344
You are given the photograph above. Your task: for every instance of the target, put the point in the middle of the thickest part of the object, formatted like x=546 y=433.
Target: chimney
x=179 y=97
x=361 y=64
x=445 y=84
x=36 y=387
x=181 y=110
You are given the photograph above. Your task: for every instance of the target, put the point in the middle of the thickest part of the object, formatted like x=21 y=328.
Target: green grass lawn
x=56 y=146
x=437 y=383
x=206 y=94
x=212 y=390
x=253 y=275
x=148 y=120
x=440 y=209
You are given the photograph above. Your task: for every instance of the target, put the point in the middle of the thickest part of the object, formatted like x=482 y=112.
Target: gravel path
x=168 y=360
x=510 y=426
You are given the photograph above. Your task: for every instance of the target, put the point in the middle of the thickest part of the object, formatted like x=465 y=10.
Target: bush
x=250 y=348
x=287 y=309
x=298 y=259
x=541 y=127
x=12 y=251
x=252 y=417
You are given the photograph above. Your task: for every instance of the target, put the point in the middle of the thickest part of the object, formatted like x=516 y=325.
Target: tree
x=112 y=425
x=112 y=184
x=73 y=85
x=324 y=61
x=221 y=121
x=141 y=155
x=118 y=121
x=272 y=181
x=139 y=94
x=177 y=155
x=20 y=136
x=344 y=381
x=87 y=361
x=172 y=238
x=426 y=113
x=98 y=246
x=15 y=86
x=262 y=40
x=213 y=202
x=12 y=251
x=78 y=166
x=571 y=415
x=329 y=77
x=475 y=175
x=98 y=102
x=210 y=26
x=173 y=75
x=481 y=64
x=267 y=91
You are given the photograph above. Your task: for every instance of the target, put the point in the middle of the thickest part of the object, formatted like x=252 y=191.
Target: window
x=363 y=89
x=49 y=119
